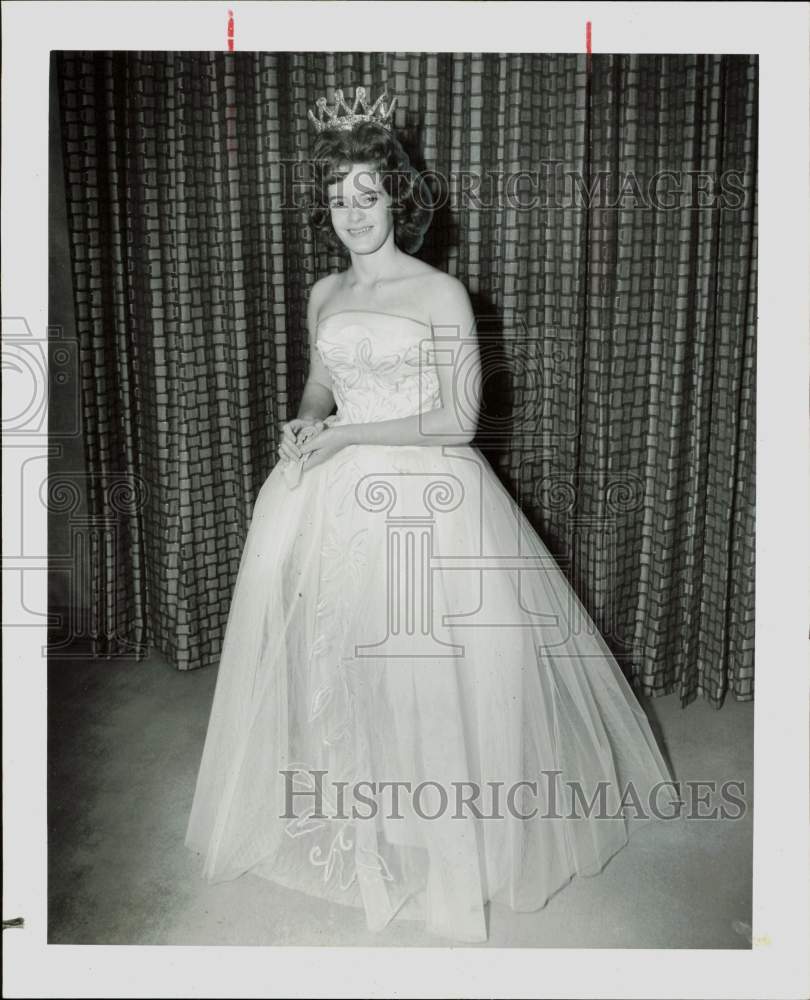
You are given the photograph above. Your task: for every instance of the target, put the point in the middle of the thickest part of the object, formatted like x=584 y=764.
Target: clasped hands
x=309 y=442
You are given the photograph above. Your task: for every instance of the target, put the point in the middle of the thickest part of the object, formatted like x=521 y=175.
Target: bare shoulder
x=319 y=295
x=439 y=283
x=446 y=284
x=447 y=299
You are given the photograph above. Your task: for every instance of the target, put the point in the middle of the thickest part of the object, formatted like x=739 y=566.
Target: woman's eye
x=367 y=200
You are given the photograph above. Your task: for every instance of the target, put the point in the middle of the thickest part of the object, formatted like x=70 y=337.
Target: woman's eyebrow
x=365 y=183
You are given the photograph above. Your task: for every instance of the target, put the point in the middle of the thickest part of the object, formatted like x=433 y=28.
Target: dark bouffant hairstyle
x=411 y=197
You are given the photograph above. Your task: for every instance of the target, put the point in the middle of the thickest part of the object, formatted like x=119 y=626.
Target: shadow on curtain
x=604 y=222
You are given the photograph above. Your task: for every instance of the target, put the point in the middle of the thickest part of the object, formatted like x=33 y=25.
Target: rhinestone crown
x=330 y=117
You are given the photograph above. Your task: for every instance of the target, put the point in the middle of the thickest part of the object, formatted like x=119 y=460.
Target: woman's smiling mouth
x=361 y=231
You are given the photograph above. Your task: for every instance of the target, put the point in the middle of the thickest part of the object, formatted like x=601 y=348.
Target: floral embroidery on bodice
x=380 y=365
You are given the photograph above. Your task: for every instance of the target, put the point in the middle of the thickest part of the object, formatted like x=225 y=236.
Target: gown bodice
x=380 y=364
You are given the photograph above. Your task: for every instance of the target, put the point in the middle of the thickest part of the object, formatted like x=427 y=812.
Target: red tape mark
x=588 y=47
x=230 y=31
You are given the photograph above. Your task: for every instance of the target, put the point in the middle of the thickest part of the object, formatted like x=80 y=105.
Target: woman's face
x=361 y=209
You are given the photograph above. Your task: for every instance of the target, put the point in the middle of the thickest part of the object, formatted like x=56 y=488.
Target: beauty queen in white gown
x=403 y=702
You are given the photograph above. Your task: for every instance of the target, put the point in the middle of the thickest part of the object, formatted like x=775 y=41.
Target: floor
x=124 y=747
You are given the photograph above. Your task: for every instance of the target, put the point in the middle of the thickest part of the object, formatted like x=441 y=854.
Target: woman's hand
x=322 y=445
x=293 y=434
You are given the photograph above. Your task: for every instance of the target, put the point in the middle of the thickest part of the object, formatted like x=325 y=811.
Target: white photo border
x=776 y=966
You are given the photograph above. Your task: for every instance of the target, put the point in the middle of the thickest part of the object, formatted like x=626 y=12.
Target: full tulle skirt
x=409 y=695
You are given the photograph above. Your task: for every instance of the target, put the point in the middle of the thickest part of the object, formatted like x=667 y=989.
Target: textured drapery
x=617 y=320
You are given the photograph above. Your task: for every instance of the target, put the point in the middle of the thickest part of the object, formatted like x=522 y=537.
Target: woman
x=405 y=719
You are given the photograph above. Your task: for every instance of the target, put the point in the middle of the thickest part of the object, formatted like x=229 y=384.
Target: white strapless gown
x=396 y=619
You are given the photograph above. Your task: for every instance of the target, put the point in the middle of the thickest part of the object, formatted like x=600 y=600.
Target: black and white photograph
x=401 y=420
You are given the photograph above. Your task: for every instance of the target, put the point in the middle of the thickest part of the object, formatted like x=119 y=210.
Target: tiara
x=329 y=116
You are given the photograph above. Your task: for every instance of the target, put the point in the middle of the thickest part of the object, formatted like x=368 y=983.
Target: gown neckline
x=371 y=312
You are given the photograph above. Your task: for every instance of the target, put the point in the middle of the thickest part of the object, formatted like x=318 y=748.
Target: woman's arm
x=459 y=371
x=317 y=401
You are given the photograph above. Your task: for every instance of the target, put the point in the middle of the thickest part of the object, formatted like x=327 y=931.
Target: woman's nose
x=355 y=213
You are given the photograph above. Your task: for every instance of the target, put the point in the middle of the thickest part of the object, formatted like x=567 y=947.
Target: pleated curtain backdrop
x=618 y=335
